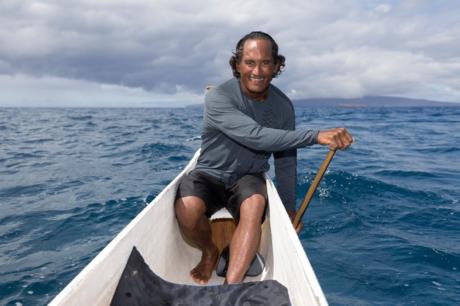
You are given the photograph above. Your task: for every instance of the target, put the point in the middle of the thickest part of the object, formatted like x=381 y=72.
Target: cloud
x=365 y=71
x=175 y=48
x=46 y=91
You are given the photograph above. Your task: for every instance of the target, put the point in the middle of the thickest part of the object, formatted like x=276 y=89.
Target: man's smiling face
x=256 y=68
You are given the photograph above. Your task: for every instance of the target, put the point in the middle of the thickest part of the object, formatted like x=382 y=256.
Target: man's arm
x=225 y=116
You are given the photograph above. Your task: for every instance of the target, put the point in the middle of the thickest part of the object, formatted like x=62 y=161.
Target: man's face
x=256 y=68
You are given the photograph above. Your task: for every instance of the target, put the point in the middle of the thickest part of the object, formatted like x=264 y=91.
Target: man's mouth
x=256 y=78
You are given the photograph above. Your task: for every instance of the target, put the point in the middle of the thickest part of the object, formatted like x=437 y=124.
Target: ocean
x=382 y=229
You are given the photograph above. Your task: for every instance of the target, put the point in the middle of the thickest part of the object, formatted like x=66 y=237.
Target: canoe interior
x=156 y=235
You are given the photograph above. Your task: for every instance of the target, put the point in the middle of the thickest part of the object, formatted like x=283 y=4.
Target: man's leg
x=190 y=213
x=246 y=238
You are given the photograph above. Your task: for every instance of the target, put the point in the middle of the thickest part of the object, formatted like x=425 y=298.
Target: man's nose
x=256 y=69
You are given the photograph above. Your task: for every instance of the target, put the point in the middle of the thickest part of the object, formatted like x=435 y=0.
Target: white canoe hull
x=156 y=235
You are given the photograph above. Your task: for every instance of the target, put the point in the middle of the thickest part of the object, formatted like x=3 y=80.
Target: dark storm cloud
x=154 y=48
x=149 y=47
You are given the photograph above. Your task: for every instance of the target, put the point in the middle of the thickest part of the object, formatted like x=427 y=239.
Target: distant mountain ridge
x=368 y=101
x=371 y=101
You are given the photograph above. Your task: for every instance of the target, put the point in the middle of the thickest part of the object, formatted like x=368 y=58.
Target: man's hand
x=338 y=138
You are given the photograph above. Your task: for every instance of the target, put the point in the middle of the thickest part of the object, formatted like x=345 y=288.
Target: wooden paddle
x=313 y=188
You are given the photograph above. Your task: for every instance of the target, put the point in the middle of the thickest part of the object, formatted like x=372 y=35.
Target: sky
x=141 y=53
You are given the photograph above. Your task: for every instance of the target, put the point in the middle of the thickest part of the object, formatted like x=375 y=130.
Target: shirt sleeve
x=286 y=169
x=223 y=115
x=286 y=177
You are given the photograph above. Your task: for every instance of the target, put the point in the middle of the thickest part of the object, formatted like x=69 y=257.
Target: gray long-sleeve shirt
x=239 y=135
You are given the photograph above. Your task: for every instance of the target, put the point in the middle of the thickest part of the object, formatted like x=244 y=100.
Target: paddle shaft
x=313 y=187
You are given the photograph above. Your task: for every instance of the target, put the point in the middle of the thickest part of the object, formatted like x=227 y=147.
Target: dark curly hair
x=237 y=54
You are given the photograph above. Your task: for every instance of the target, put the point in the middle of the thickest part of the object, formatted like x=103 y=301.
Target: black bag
x=138 y=286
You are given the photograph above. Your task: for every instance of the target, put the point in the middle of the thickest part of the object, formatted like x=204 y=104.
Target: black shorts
x=217 y=195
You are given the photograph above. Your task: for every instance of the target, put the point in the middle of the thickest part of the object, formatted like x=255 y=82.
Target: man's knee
x=253 y=208
x=189 y=210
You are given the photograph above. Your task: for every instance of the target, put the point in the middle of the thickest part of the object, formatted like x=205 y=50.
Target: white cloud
x=26 y=91
x=367 y=71
x=333 y=48
x=383 y=8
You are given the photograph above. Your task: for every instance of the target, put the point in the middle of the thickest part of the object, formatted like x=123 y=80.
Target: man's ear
x=277 y=68
x=237 y=66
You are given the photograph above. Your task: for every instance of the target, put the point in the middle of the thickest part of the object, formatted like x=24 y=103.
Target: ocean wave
x=22 y=190
x=80 y=117
x=382 y=227
x=431 y=216
x=162 y=148
x=342 y=185
x=438 y=149
x=407 y=174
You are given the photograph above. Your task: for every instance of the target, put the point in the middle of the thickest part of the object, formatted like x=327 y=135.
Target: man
x=246 y=119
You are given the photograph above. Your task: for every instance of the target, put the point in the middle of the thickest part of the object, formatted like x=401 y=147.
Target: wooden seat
x=223 y=226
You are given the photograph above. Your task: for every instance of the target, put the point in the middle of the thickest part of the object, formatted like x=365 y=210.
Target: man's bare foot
x=203 y=271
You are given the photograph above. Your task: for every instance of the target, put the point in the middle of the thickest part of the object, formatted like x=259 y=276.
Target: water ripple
x=382 y=229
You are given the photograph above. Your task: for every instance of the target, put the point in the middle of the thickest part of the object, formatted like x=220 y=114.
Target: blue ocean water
x=383 y=228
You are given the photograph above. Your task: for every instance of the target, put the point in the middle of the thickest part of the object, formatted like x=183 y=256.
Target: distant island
x=368 y=101
x=371 y=101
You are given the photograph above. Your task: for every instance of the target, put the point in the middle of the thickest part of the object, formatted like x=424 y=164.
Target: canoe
x=155 y=233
